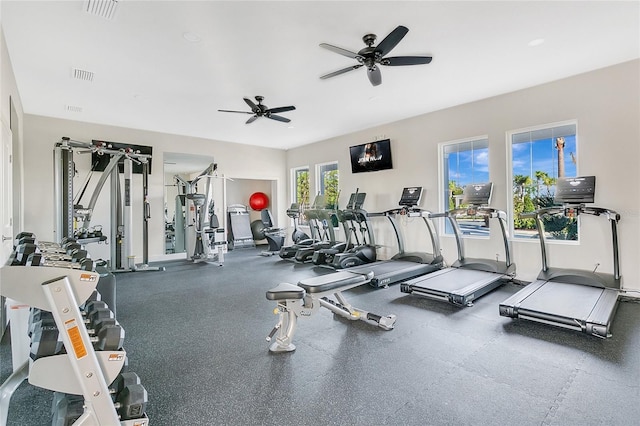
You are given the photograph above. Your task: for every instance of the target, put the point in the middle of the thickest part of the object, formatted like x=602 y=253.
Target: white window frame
x=441 y=182
x=509 y=181
x=294 y=189
x=318 y=183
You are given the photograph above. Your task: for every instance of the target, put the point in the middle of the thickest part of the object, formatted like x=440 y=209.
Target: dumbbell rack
x=82 y=370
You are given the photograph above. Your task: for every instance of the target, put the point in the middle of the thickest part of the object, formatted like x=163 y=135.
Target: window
x=539 y=156
x=300 y=180
x=464 y=162
x=327 y=183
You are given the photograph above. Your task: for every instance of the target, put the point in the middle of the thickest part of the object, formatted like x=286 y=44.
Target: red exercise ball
x=259 y=201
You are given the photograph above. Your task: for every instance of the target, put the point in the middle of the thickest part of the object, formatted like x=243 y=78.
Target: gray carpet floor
x=196 y=336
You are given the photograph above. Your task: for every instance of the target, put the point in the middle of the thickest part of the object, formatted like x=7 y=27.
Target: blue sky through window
x=542 y=155
x=470 y=166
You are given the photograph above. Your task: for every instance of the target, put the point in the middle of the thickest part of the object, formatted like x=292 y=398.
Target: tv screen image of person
x=371 y=157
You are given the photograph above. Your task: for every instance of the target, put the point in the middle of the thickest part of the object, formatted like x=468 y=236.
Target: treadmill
x=404 y=265
x=576 y=299
x=468 y=278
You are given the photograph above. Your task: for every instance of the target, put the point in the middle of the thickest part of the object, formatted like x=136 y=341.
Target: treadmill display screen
x=575 y=190
x=411 y=196
x=478 y=194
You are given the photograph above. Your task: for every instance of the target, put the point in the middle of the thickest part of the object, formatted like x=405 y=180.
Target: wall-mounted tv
x=371 y=157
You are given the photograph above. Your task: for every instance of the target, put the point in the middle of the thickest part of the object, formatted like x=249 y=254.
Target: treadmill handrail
x=492 y=213
x=611 y=215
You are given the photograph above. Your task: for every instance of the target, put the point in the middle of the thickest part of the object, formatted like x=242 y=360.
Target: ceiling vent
x=103 y=8
x=73 y=108
x=83 y=75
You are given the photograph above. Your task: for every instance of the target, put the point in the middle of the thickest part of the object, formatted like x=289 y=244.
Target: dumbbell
x=53 y=248
x=40 y=259
x=24 y=237
x=104 y=331
x=65 y=240
x=131 y=402
x=66 y=409
x=45 y=339
x=75 y=255
x=123 y=380
x=21 y=252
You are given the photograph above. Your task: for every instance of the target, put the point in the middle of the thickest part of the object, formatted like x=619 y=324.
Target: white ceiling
x=147 y=75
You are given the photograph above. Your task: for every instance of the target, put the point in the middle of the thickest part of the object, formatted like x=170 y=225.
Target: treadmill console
x=477 y=194
x=576 y=190
x=411 y=196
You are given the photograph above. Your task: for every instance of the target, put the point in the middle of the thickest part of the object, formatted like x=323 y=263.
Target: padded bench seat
x=334 y=281
x=285 y=291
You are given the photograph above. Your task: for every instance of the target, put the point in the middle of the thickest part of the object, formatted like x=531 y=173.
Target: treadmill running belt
x=452 y=280
x=563 y=299
x=391 y=271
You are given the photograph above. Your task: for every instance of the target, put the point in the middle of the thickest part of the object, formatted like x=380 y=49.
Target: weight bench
x=306 y=298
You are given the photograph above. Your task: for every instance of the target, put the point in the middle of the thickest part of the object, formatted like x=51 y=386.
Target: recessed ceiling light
x=536 y=42
x=191 y=37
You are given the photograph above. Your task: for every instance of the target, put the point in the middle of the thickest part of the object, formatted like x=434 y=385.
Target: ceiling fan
x=372 y=56
x=260 y=110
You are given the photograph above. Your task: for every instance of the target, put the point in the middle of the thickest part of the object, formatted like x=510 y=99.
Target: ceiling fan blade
x=342 y=71
x=375 y=76
x=390 y=41
x=406 y=60
x=252 y=105
x=251 y=119
x=280 y=109
x=340 y=50
x=239 y=112
x=278 y=118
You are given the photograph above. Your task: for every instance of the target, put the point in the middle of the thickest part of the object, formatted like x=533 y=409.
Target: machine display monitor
x=477 y=194
x=575 y=190
x=411 y=196
x=356 y=200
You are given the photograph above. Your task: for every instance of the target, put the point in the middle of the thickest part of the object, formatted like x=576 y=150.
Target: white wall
x=41 y=133
x=606 y=105
x=9 y=90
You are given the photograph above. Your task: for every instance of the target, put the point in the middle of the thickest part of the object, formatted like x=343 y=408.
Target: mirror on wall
x=180 y=168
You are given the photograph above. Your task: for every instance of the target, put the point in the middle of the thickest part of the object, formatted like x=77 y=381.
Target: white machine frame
x=306 y=298
x=82 y=370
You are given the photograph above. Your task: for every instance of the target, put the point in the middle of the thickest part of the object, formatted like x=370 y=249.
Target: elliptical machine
x=294 y=213
x=288 y=252
x=360 y=254
x=349 y=221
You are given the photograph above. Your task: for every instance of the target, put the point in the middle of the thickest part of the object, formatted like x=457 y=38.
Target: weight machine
x=199 y=229
x=69 y=216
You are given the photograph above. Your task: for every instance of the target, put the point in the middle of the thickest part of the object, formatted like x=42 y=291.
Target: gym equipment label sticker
x=116 y=357
x=76 y=339
x=87 y=277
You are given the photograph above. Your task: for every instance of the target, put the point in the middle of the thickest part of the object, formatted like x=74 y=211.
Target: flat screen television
x=371 y=157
